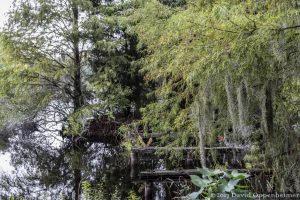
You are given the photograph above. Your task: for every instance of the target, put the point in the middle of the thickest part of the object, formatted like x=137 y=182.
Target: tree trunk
x=267 y=121
x=77 y=96
x=267 y=112
x=77 y=181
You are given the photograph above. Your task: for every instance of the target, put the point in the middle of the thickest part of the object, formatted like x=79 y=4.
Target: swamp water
x=36 y=165
x=43 y=166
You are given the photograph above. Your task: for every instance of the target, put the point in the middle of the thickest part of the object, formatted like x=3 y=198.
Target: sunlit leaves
x=216 y=181
x=202 y=183
x=205 y=40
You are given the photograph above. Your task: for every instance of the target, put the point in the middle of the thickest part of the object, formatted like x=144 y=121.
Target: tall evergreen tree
x=67 y=61
x=73 y=61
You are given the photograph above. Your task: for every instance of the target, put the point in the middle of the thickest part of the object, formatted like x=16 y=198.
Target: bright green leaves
x=236 y=175
x=193 y=195
x=20 y=85
x=200 y=182
x=205 y=40
x=209 y=173
x=215 y=182
x=133 y=196
x=227 y=186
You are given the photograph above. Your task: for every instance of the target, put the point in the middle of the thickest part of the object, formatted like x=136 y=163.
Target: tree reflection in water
x=43 y=166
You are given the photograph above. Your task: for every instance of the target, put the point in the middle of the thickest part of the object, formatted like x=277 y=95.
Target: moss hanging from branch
x=243 y=112
x=233 y=138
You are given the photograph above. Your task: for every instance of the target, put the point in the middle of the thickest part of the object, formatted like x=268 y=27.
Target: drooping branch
x=290 y=27
x=203 y=108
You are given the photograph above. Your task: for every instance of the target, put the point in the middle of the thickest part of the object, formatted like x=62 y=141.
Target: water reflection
x=44 y=167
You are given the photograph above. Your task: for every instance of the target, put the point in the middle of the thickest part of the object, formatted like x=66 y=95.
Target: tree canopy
x=200 y=73
x=222 y=68
x=71 y=60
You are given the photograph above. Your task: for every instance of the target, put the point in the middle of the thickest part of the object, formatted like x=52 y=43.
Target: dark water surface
x=36 y=165
x=46 y=166
x=42 y=166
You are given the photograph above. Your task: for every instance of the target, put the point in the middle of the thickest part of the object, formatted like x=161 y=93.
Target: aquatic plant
x=214 y=183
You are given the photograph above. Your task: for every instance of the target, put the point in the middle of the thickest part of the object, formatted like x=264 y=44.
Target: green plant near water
x=97 y=193
x=12 y=197
x=92 y=193
x=215 y=182
x=133 y=196
x=254 y=158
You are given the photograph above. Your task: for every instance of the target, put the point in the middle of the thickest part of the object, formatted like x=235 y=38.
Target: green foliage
x=224 y=56
x=73 y=53
x=116 y=195
x=133 y=196
x=92 y=193
x=189 y=52
x=86 y=188
x=217 y=181
x=254 y=158
x=20 y=92
x=97 y=193
x=14 y=198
